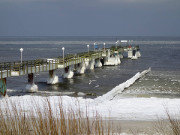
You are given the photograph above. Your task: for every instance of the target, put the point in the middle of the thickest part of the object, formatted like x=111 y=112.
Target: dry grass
x=44 y=120
x=15 y=121
x=169 y=126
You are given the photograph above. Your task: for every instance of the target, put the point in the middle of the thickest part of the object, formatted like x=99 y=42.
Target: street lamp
x=63 y=54
x=21 y=50
x=94 y=46
x=116 y=44
x=104 y=46
x=88 y=48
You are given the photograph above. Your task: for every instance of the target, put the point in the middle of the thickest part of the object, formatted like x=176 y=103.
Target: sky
x=89 y=17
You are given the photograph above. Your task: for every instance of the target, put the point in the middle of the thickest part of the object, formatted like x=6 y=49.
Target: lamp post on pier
x=21 y=50
x=63 y=54
x=104 y=46
x=116 y=44
x=88 y=48
x=94 y=46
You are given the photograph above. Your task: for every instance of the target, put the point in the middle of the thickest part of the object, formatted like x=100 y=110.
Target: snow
x=138 y=54
x=31 y=88
x=130 y=54
x=134 y=57
x=118 y=59
x=81 y=69
x=86 y=62
x=98 y=64
x=117 y=109
x=91 y=64
x=109 y=105
x=111 y=61
x=69 y=74
x=53 y=80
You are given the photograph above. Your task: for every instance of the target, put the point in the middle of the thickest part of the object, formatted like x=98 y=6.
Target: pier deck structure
x=9 y=69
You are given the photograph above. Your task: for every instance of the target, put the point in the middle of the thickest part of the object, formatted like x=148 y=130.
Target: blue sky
x=89 y=17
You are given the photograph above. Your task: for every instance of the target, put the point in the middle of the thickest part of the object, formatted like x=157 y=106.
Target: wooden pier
x=9 y=69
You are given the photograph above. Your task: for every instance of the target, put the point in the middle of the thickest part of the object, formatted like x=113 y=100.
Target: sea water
x=150 y=92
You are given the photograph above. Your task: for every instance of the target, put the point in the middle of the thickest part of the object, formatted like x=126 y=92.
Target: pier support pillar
x=31 y=87
x=81 y=67
x=98 y=63
x=130 y=54
x=134 y=57
x=53 y=78
x=111 y=61
x=51 y=73
x=30 y=78
x=102 y=61
x=138 y=54
x=91 y=64
x=68 y=72
x=118 y=59
x=121 y=55
x=66 y=69
x=87 y=62
x=3 y=88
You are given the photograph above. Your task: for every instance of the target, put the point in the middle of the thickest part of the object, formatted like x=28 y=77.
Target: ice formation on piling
x=31 y=88
x=53 y=80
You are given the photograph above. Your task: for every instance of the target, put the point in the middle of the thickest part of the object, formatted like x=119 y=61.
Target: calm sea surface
x=162 y=54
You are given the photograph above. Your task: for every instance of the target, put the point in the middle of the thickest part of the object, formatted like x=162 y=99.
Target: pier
x=70 y=63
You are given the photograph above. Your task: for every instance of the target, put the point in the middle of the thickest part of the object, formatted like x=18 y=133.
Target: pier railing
x=8 y=69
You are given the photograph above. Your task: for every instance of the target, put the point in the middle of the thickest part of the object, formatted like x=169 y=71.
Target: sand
x=128 y=127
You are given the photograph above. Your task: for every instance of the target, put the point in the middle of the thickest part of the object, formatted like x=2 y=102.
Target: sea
x=162 y=54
